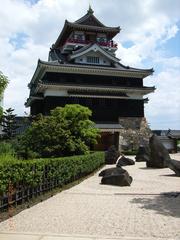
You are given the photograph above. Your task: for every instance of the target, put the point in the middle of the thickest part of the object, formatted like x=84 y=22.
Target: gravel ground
x=90 y=208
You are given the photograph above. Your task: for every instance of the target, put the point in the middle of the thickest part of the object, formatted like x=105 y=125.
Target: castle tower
x=82 y=68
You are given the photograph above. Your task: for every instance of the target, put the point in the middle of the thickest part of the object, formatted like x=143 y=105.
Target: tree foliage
x=66 y=131
x=3 y=84
x=8 y=123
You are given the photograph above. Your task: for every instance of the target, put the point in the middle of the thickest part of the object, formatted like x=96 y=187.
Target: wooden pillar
x=116 y=140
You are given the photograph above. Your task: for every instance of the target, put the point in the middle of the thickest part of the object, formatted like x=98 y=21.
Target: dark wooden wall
x=64 y=78
x=104 y=110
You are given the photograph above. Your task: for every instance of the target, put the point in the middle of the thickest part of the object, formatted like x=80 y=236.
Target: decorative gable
x=93 y=58
x=93 y=54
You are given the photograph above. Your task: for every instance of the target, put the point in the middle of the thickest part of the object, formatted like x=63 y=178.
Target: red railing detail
x=104 y=44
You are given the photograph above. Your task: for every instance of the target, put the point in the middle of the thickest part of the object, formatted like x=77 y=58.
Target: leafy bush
x=67 y=131
x=7 y=157
x=32 y=173
x=7 y=152
x=6 y=148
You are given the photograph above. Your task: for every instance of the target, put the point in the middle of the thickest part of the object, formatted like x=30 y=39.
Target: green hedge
x=31 y=173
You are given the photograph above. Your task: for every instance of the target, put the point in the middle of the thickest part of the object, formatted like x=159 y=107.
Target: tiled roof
x=168 y=133
x=89 y=18
x=109 y=126
x=119 y=67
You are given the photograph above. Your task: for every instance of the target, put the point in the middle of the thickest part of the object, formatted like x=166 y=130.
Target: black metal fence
x=21 y=194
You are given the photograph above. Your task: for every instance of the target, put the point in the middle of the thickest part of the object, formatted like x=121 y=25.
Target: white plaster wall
x=102 y=59
x=55 y=93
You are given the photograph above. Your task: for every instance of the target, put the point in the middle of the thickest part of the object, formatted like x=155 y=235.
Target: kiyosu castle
x=83 y=68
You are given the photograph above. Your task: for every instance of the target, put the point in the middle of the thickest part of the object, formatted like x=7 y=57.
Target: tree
x=3 y=84
x=67 y=131
x=8 y=124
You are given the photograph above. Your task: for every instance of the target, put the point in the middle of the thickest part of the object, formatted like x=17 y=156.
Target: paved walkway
x=148 y=209
x=28 y=236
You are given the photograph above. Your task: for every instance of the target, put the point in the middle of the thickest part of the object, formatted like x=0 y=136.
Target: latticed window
x=101 y=39
x=91 y=59
x=79 y=37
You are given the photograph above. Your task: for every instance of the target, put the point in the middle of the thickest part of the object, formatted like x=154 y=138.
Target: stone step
x=37 y=236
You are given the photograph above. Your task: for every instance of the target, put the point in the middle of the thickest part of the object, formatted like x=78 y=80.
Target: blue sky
x=150 y=37
x=18 y=40
x=32 y=1
x=171 y=47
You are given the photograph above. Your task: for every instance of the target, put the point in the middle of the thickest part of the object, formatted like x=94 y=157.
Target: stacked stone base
x=135 y=132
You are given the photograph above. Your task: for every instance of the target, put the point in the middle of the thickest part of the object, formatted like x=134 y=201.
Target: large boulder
x=116 y=177
x=159 y=156
x=143 y=154
x=175 y=166
x=112 y=171
x=124 y=161
x=111 y=155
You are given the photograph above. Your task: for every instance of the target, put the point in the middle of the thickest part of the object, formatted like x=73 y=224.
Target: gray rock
x=123 y=161
x=116 y=177
x=112 y=171
x=143 y=154
x=111 y=155
x=175 y=166
x=159 y=155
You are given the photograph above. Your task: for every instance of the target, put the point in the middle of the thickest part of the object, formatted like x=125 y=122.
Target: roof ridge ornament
x=90 y=11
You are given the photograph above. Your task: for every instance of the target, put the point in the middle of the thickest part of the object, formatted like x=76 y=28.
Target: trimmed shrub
x=33 y=173
x=6 y=148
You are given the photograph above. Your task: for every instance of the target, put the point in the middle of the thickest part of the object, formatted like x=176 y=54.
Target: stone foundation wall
x=134 y=133
x=131 y=122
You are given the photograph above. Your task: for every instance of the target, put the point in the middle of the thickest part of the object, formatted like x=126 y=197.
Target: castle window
x=79 y=37
x=101 y=39
x=91 y=59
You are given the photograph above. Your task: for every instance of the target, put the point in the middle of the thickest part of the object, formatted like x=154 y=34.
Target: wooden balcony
x=70 y=43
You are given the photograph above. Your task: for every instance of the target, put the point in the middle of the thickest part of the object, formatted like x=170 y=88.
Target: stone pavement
x=28 y=236
x=149 y=209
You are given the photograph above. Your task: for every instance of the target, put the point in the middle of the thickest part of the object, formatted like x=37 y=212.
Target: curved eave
x=30 y=100
x=38 y=72
x=95 y=28
x=150 y=70
x=88 y=15
x=69 y=26
x=28 y=103
x=41 y=87
x=93 y=70
x=43 y=67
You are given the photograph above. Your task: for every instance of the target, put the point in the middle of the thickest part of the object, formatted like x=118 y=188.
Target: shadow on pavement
x=167 y=204
x=168 y=175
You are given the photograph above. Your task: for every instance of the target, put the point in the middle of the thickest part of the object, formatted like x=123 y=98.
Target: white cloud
x=147 y=24
x=164 y=106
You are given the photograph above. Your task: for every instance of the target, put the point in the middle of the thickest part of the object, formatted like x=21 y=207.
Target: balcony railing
x=110 y=44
